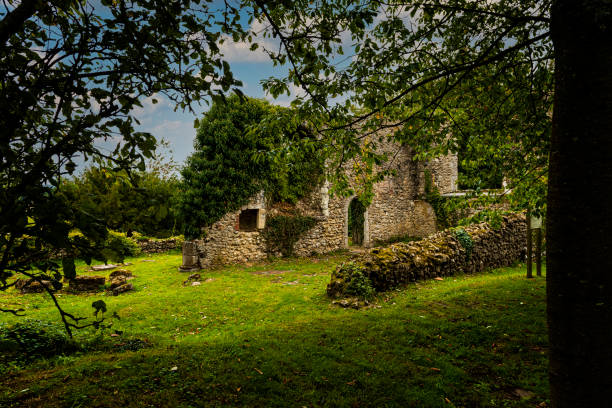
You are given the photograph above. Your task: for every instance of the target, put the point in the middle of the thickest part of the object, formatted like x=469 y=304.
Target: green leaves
x=466 y=77
x=72 y=75
x=99 y=307
x=244 y=146
x=137 y=201
x=69 y=268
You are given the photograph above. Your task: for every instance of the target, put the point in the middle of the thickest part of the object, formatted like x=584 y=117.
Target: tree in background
x=128 y=202
x=243 y=146
x=72 y=71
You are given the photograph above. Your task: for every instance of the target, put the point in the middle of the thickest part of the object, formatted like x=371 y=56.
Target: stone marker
x=190 y=257
x=117 y=281
x=103 y=267
x=32 y=286
x=123 y=288
x=121 y=272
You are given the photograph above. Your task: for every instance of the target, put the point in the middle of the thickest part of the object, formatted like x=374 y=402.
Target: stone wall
x=154 y=246
x=328 y=233
x=444 y=171
x=396 y=210
x=439 y=255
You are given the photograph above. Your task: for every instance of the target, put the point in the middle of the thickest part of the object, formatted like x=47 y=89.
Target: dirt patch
x=272 y=272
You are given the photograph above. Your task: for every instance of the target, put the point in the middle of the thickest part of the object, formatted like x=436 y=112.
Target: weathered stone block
x=120 y=272
x=33 y=286
x=87 y=283
x=123 y=288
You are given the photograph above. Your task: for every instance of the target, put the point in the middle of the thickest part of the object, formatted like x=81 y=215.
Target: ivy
x=283 y=231
x=466 y=242
x=243 y=146
x=438 y=203
x=353 y=280
x=359 y=284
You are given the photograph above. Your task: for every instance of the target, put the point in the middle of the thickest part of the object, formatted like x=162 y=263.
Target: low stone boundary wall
x=471 y=249
x=154 y=246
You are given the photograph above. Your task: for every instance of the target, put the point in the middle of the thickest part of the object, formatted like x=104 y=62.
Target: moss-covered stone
x=442 y=254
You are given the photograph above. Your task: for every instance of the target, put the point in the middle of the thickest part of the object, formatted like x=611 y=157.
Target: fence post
x=529 y=254
x=538 y=254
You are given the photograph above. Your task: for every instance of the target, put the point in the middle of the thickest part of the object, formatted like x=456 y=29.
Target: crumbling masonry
x=397 y=209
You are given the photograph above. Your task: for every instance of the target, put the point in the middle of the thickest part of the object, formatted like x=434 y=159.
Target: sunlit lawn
x=274 y=339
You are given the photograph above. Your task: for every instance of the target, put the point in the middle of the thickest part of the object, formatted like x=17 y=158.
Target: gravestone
x=190 y=257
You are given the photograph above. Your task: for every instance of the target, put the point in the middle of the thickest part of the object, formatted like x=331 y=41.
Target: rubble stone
x=439 y=255
x=396 y=210
x=87 y=283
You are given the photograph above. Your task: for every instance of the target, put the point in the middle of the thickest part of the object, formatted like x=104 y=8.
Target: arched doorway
x=356 y=222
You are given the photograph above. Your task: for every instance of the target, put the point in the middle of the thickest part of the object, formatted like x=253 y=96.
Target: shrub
x=466 y=242
x=491 y=216
x=358 y=283
x=33 y=339
x=351 y=279
x=283 y=231
x=118 y=246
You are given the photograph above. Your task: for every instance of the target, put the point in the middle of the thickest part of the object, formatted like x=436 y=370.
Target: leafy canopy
x=134 y=201
x=464 y=76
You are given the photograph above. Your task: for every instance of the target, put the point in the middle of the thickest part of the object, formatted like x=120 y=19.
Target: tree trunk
x=579 y=229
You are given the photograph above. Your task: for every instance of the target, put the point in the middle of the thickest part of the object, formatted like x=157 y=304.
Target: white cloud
x=149 y=108
x=284 y=100
x=240 y=51
x=180 y=134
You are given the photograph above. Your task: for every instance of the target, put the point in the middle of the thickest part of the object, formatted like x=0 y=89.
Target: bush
x=118 y=246
x=491 y=216
x=466 y=242
x=283 y=231
x=31 y=339
x=358 y=283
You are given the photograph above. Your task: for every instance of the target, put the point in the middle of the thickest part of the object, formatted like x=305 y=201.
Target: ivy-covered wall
x=470 y=249
x=395 y=210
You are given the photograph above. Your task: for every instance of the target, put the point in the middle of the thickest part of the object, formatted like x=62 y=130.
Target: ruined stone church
x=397 y=209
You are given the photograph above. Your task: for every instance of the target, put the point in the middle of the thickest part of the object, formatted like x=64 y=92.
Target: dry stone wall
x=439 y=255
x=154 y=246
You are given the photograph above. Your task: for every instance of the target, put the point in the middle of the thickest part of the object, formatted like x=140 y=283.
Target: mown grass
x=275 y=340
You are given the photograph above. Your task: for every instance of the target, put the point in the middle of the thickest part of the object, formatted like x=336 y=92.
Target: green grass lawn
x=266 y=335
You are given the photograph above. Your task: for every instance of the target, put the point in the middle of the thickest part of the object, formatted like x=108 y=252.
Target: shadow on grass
x=476 y=343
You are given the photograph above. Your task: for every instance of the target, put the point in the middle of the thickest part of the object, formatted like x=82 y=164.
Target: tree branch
x=479 y=62
x=14 y=20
